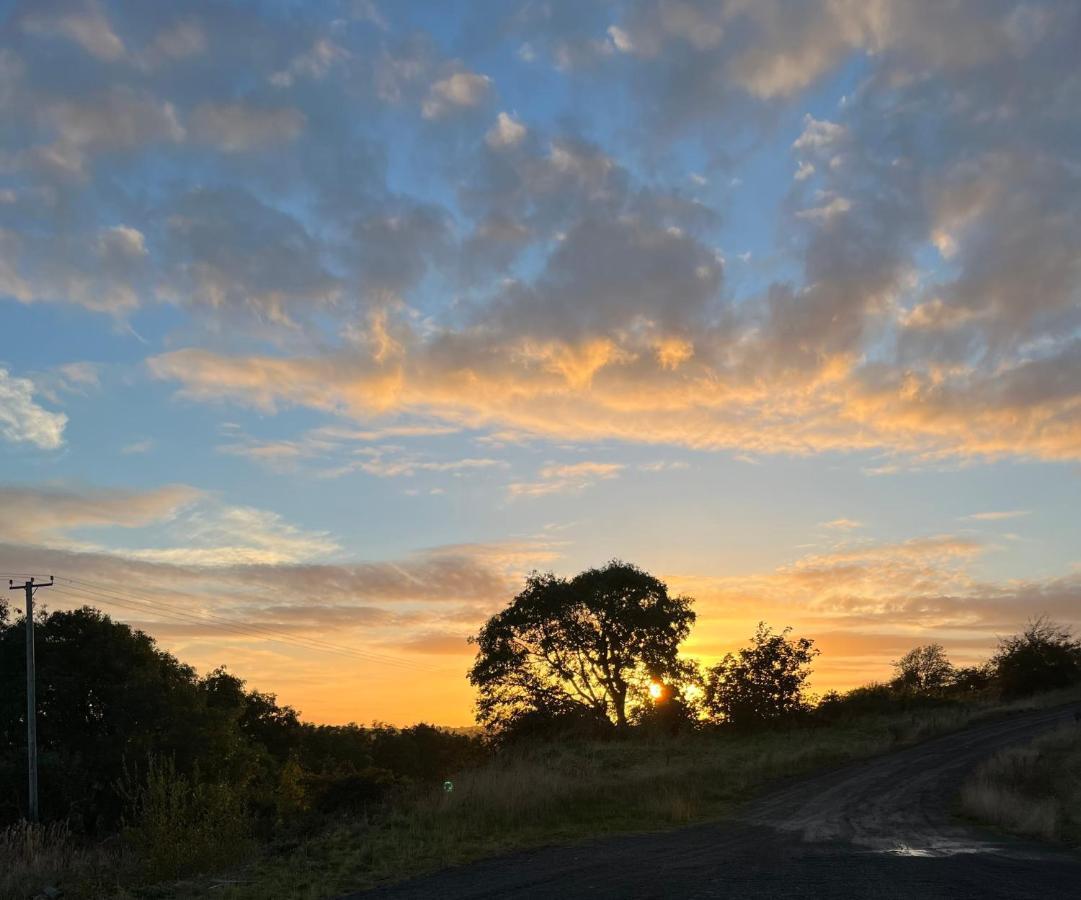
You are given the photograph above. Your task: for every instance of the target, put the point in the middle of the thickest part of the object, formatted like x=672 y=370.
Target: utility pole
x=31 y=692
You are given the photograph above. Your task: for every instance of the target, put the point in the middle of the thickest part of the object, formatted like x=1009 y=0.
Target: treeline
x=599 y=654
x=125 y=729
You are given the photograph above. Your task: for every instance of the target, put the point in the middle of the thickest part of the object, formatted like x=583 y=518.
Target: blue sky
x=341 y=317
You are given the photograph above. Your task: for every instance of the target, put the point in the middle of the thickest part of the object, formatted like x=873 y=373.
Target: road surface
x=877 y=829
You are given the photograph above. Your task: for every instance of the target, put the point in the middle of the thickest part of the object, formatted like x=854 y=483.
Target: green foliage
x=761 y=683
x=105 y=692
x=579 y=650
x=181 y=824
x=924 y=670
x=1043 y=657
x=109 y=698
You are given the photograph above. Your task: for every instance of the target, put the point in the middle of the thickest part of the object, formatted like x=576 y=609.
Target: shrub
x=1043 y=657
x=180 y=824
x=763 y=682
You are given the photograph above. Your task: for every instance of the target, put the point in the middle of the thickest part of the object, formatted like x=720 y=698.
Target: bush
x=572 y=722
x=1043 y=657
x=350 y=792
x=761 y=683
x=180 y=824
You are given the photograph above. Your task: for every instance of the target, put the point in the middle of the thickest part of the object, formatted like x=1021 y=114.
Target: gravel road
x=878 y=829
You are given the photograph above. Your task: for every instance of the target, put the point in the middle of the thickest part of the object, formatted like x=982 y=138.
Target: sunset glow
x=325 y=324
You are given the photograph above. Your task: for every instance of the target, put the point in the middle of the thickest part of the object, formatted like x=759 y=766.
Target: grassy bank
x=534 y=795
x=553 y=793
x=1033 y=790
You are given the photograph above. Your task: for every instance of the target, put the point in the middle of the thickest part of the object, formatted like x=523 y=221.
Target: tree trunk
x=619 y=701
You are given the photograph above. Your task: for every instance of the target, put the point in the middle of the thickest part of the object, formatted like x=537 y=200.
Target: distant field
x=563 y=792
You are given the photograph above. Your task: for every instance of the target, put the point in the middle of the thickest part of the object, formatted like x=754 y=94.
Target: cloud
x=115 y=119
x=223 y=535
x=565 y=478
x=83 y=23
x=867 y=603
x=192 y=528
x=239 y=128
x=314 y=63
x=457 y=91
x=143 y=446
x=387 y=464
x=24 y=421
x=232 y=252
x=506 y=132
x=998 y=516
x=47 y=515
x=842 y=524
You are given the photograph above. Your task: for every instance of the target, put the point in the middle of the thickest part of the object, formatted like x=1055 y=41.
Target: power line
x=168 y=612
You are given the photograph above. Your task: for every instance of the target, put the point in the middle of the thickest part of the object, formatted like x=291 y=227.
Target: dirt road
x=876 y=829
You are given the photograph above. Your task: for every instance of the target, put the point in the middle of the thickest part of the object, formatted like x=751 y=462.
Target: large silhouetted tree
x=579 y=648
x=762 y=682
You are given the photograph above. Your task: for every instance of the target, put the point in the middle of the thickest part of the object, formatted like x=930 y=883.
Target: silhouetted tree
x=587 y=647
x=672 y=710
x=973 y=679
x=760 y=683
x=1042 y=657
x=924 y=670
x=105 y=693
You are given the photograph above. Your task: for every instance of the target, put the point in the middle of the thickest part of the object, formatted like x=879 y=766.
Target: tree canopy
x=924 y=669
x=112 y=703
x=1043 y=656
x=762 y=682
x=581 y=648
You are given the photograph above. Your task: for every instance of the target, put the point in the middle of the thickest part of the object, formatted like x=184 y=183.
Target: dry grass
x=1034 y=790
x=33 y=857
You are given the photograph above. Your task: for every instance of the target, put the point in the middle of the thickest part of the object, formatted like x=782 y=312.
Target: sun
x=655 y=690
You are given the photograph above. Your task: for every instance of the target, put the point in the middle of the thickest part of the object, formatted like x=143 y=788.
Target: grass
x=1033 y=790
x=33 y=857
x=542 y=794
x=564 y=792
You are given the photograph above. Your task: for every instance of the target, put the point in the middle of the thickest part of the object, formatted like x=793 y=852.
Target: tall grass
x=36 y=857
x=1034 y=790
x=176 y=825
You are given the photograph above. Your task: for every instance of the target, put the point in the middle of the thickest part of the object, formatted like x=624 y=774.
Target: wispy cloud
x=143 y=446
x=998 y=515
x=565 y=478
x=842 y=524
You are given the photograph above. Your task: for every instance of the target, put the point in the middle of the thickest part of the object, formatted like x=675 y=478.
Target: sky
x=325 y=323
